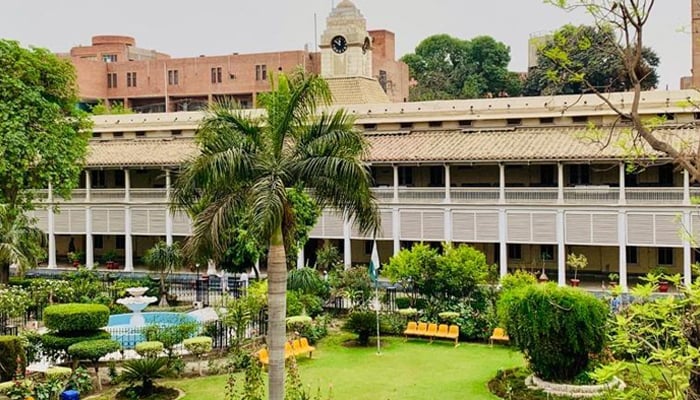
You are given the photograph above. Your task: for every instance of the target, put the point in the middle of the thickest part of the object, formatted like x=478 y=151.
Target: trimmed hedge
x=93 y=350
x=62 y=341
x=58 y=372
x=73 y=317
x=149 y=349
x=10 y=350
x=557 y=328
x=198 y=345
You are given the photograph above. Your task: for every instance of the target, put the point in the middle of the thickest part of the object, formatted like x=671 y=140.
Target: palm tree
x=20 y=243
x=164 y=258
x=248 y=161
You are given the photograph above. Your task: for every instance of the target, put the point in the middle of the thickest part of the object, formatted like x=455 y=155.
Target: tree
x=249 y=162
x=43 y=135
x=164 y=258
x=446 y=67
x=592 y=55
x=20 y=243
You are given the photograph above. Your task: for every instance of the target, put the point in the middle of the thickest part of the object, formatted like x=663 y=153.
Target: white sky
x=214 y=27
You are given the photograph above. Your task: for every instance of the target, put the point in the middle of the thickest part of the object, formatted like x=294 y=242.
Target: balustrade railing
x=670 y=195
x=531 y=195
x=592 y=195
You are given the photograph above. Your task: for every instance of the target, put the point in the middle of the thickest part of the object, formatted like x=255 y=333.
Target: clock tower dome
x=346 y=47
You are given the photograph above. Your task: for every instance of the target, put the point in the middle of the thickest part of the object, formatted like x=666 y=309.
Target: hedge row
x=73 y=317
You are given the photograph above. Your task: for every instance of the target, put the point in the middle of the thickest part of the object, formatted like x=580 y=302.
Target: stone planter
x=577 y=391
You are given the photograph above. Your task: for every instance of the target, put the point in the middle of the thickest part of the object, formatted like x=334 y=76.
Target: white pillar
x=300 y=257
x=561 y=250
x=211 y=267
x=396 y=229
x=396 y=183
x=686 y=187
x=347 y=252
x=168 y=215
x=622 y=240
x=128 y=243
x=52 y=229
x=503 y=241
x=687 y=269
x=448 y=184
x=448 y=225
x=623 y=193
x=89 y=249
x=560 y=182
x=501 y=183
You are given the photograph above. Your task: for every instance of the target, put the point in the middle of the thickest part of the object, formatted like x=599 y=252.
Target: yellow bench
x=291 y=349
x=499 y=335
x=432 y=331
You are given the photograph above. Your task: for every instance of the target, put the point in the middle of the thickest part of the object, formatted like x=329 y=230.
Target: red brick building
x=114 y=70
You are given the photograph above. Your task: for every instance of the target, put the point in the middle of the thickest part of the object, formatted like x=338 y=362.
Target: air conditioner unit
x=197 y=305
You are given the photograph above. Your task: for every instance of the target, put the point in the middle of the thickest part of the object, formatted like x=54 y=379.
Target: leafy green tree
x=590 y=54
x=446 y=67
x=249 y=162
x=164 y=258
x=20 y=243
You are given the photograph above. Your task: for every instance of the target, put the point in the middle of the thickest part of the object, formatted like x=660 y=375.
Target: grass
x=405 y=370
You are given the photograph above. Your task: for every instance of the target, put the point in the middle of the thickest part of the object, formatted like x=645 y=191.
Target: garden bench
x=291 y=349
x=432 y=331
x=499 y=335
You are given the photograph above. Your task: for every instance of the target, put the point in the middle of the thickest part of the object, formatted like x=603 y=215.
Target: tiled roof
x=146 y=152
x=356 y=90
x=515 y=144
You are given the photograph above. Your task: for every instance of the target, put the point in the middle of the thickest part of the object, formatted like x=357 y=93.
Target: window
x=120 y=242
x=580 y=119
x=406 y=125
x=173 y=77
x=131 y=79
x=96 y=135
x=579 y=174
x=368 y=247
x=515 y=252
x=370 y=127
x=547 y=175
x=665 y=256
x=632 y=254
x=111 y=80
x=437 y=176
x=141 y=134
x=109 y=58
x=97 y=179
x=405 y=176
x=261 y=72
x=631 y=180
x=546 y=120
x=175 y=133
x=514 y=121
x=666 y=175
x=547 y=252
x=119 y=179
x=465 y=122
x=216 y=75
x=435 y=124
x=118 y=135
x=97 y=241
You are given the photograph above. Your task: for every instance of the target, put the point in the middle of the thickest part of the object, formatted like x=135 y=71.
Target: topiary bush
x=363 y=323
x=61 y=342
x=10 y=351
x=73 y=317
x=557 y=328
x=93 y=350
x=149 y=349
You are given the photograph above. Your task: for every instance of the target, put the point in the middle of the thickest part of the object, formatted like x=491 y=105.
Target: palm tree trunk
x=4 y=273
x=277 y=305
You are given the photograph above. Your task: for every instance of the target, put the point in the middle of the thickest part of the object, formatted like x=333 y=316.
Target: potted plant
x=108 y=259
x=576 y=261
x=660 y=273
x=75 y=257
x=613 y=279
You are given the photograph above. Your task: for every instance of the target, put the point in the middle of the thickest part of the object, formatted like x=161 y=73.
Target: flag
x=374 y=263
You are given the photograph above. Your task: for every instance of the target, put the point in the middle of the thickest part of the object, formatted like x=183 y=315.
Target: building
x=518 y=178
x=112 y=69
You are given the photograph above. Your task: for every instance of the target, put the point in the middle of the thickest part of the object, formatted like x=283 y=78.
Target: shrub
x=145 y=370
x=392 y=323
x=61 y=342
x=58 y=372
x=10 y=351
x=298 y=323
x=198 y=345
x=448 y=316
x=363 y=323
x=307 y=281
x=557 y=328
x=402 y=302
x=170 y=335
x=299 y=303
x=73 y=317
x=93 y=350
x=517 y=280
x=148 y=349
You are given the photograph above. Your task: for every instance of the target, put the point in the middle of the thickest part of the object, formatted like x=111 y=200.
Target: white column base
x=211 y=267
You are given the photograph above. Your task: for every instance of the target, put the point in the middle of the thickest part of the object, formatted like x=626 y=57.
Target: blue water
x=122 y=331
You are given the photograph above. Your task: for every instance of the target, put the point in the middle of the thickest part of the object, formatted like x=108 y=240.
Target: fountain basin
x=137 y=291
x=128 y=335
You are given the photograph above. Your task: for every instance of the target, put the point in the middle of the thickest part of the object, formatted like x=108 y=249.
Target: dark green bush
x=10 y=350
x=392 y=324
x=62 y=341
x=363 y=323
x=93 y=350
x=74 y=317
x=402 y=302
x=308 y=281
x=557 y=328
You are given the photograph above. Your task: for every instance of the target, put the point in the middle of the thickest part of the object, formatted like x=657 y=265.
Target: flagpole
x=377 y=305
x=374 y=274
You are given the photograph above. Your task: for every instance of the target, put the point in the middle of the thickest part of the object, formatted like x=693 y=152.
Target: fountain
x=136 y=303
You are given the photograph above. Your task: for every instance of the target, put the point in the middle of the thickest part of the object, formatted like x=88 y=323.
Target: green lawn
x=413 y=370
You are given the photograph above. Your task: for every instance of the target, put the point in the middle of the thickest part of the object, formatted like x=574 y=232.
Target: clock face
x=339 y=44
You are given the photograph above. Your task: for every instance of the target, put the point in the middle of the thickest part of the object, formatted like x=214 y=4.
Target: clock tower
x=346 y=47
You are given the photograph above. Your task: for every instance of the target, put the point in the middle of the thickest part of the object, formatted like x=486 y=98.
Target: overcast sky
x=214 y=27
